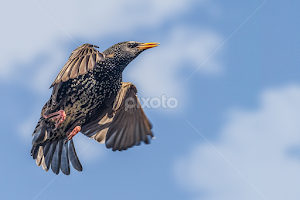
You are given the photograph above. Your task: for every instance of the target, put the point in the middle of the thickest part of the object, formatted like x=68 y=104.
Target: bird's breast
x=81 y=97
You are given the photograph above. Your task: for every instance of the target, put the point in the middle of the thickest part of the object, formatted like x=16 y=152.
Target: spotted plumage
x=88 y=96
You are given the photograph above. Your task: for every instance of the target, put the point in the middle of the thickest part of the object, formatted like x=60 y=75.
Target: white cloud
x=43 y=76
x=158 y=73
x=29 y=27
x=34 y=28
x=258 y=144
x=26 y=127
x=39 y=27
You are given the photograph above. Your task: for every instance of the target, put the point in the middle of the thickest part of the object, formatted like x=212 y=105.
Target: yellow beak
x=147 y=45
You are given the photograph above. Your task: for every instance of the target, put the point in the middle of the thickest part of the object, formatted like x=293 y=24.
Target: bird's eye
x=132 y=45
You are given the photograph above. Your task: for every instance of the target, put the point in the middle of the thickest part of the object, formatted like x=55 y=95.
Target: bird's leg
x=58 y=116
x=73 y=133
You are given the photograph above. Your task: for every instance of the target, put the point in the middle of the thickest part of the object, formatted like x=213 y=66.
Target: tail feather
x=49 y=155
x=39 y=136
x=39 y=156
x=73 y=157
x=46 y=147
x=34 y=151
x=49 y=151
x=65 y=167
x=55 y=164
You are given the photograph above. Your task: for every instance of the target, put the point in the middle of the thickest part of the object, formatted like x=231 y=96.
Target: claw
x=73 y=133
x=58 y=116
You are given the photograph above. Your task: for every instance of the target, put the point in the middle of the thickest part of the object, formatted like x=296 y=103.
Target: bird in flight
x=89 y=96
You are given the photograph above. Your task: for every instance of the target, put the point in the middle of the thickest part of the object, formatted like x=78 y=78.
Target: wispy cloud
x=45 y=26
x=259 y=144
x=34 y=25
x=158 y=73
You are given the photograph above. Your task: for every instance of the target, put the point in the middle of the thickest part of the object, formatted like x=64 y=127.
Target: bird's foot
x=58 y=117
x=73 y=133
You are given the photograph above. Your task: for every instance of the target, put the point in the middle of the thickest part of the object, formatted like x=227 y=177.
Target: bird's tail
x=53 y=151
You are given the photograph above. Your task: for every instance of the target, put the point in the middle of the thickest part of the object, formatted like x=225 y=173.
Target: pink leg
x=58 y=116
x=73 y=133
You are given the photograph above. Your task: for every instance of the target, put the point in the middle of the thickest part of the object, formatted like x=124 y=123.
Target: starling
x=89 y=96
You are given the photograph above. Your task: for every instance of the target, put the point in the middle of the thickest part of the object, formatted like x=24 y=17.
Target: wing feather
x=81 y=60
x=92 y=62
x=122 y=125
x=84 y=65
x=75 y=68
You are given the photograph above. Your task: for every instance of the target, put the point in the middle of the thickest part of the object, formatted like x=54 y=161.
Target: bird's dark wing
x=81 y=60
x=123 y=124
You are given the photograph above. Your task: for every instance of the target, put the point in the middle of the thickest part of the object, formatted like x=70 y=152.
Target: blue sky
x=232 y=65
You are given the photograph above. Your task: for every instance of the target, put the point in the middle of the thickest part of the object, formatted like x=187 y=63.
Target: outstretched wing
x=122 y=124
x=81 y=60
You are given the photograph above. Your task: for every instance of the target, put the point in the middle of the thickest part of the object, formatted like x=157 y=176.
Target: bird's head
x=124 y=52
